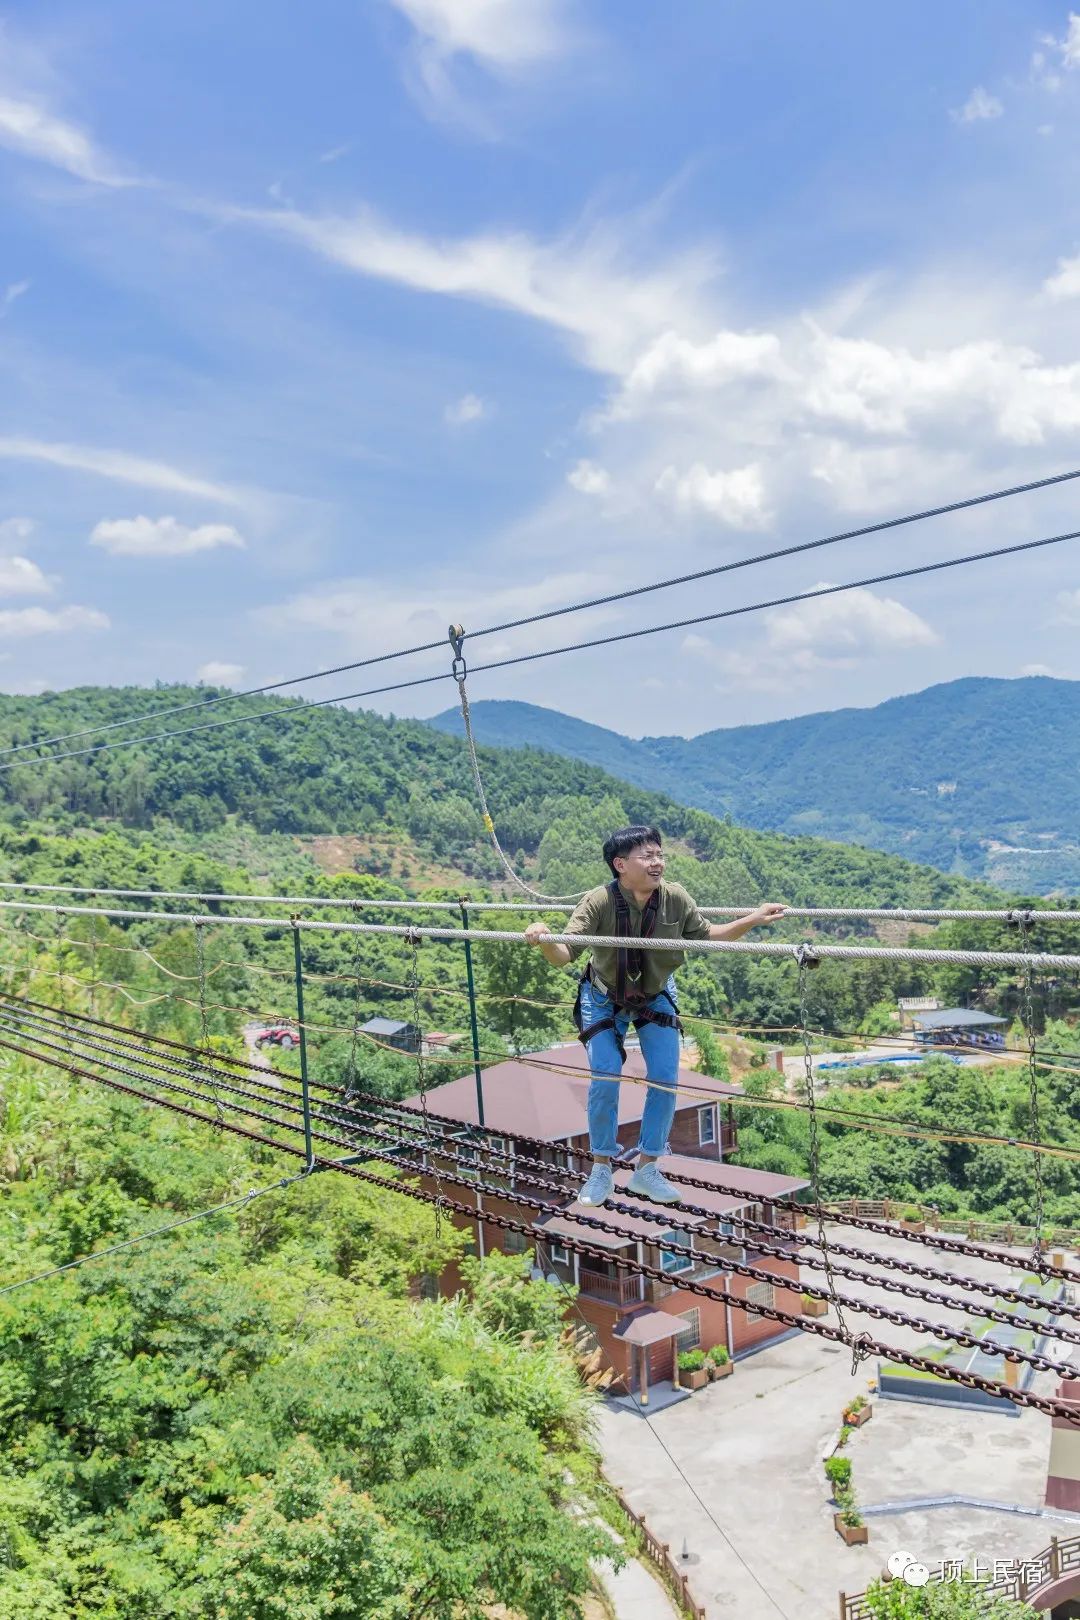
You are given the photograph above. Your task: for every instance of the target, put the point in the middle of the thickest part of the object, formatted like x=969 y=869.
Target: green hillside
x=975 y=776
x=331 y=771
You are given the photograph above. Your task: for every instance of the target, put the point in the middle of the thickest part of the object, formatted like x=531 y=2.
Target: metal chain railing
x=429 y=1158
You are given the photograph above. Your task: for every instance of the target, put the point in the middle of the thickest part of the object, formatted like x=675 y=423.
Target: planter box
x=815 y=1307
x=694 y=1380
x=722 y=1369
x=852 y=1535
x=913 y=1226
x=855 y=1420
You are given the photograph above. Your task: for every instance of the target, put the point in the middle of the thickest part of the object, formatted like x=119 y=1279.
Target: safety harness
x=627 y=995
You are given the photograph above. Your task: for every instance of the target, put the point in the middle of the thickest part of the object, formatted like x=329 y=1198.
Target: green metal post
x=298 y=966
x=472 y=1018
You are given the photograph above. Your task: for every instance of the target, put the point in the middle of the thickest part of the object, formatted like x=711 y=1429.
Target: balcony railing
x=614 y=1290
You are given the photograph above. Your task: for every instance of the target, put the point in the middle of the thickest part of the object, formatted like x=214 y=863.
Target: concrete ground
x=753 y=1447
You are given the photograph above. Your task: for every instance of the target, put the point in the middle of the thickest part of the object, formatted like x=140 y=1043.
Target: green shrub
x=857 y=1405
x=851 y=1517
x=691 y=1360
x=838 y=1471
x=911 y=1213
x=719 y=1354
x=845 y=1435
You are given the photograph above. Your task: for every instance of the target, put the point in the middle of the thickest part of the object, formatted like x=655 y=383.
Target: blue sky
x=315 y=338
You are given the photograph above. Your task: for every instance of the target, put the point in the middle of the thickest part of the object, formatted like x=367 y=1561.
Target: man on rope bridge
x=622 y=986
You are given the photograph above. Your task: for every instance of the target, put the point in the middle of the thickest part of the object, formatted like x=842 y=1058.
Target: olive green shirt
x=677 y=917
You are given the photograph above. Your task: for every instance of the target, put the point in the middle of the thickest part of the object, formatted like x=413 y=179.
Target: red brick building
x=640 y=1323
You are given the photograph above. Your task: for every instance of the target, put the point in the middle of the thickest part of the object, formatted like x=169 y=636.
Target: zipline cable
x=493 y=936
x=305 y=709
x=575 y=607
x=354 y=902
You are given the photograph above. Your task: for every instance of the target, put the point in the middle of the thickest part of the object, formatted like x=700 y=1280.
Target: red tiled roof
x=521 y=1100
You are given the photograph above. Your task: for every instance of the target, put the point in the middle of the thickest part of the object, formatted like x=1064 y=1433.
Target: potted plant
x=838 y=1474
x=858 y=1412
x=720 y=1363
x=814 y=1307
x=845 y=1436
x=692 y=1370
x=850 y=1526
x=911 y=1220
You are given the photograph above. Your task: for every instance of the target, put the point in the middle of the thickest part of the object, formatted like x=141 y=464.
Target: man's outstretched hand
x=537 y=932
x=766 y=914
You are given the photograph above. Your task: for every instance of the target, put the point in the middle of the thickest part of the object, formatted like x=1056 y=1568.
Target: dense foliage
x=249 y=1418
x=950 y=776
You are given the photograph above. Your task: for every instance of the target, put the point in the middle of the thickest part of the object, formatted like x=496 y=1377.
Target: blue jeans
x=660 y=1049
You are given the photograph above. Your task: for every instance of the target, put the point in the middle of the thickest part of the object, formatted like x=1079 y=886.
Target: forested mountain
x=327 y=771
x=975 y=776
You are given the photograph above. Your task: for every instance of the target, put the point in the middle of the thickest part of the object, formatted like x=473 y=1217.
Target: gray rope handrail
x=354 y=902
x=500 y=936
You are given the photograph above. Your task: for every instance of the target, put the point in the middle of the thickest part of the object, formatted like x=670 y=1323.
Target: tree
x=947 y=1600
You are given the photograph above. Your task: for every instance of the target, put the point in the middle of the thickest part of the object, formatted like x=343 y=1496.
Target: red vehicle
x=278 y=1035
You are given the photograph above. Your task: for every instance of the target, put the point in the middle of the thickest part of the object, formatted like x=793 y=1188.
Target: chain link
x=354 y=1043
x=807 y=959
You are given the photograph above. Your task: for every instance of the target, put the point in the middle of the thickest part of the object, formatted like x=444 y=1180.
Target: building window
x=497 y=1144
x=706 y=1125
x=689 y=1336
x=558 y=1255
x=762 y=1293
x=515 y=1243
x=676 y=1262
x=466 y=1160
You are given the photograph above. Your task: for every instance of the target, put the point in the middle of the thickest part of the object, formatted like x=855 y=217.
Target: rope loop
x=806 y=956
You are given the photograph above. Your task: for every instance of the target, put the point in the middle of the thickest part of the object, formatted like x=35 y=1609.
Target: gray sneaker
x=648 y=1181
x=599 y=1187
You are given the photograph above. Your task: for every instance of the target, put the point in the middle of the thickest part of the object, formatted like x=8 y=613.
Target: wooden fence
x=659 y=1555
x=892 y=1209
x=1029 y=1577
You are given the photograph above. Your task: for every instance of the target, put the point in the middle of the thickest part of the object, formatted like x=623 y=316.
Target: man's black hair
x=626 y=839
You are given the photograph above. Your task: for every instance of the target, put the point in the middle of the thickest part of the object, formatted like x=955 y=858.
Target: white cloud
x=582 y=285
x=1036 y=669
x=21 y=577
x=979 y=105
x=889 y=390
x=30 y=129
x=736 y=498
x=469 y=408
x=118 y=465
x=11 y=294
x=36 y=621
x=217 y=674
x=589 y=479
x=15 y=530
x=335 y=153
x=1066 y=282
x=1068 y=603
x=673 y=362
x=500 y=34
x=856 y=621
x=804 y=641
x=161 y=537
x=373 y=616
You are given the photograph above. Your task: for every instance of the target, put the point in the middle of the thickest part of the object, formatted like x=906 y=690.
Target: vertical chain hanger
x=807 y=959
